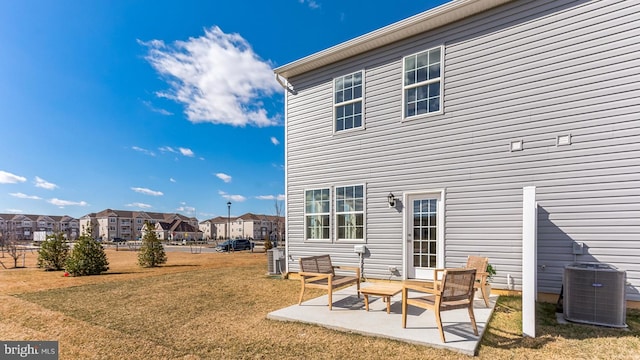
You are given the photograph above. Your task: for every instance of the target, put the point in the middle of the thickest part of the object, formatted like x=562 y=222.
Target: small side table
x=386 y=291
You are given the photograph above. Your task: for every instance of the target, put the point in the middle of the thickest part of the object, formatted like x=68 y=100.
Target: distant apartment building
x=17 y=227
x=247 y=226
x=109 y=224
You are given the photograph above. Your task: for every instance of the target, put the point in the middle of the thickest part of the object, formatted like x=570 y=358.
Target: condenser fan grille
x=595 y=294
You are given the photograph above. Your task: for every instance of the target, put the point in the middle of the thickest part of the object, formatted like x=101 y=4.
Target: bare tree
x=15 y=252
x=279 y=209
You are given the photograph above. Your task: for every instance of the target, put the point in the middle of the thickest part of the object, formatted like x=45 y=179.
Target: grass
x=214 y=306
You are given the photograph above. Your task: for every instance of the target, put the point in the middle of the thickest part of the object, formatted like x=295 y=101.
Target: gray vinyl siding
x=530 y=70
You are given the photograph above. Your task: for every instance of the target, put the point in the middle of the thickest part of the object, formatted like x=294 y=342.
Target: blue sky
x=163 y=106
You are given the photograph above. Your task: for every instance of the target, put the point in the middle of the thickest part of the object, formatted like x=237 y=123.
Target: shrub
x=151 y=252
x=53 y=252
x=267 y=243
x=87 y=257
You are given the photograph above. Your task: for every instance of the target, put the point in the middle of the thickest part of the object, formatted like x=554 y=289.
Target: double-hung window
x=317 y=204
x=347 y=101
x=422 y=84
x=350 y=212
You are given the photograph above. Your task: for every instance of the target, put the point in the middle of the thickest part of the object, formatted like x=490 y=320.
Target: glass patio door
x=424 y=235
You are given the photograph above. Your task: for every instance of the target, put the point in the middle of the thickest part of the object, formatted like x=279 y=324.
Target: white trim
x=441 y=227
x=427 y=82
x=364 y=214
x=428 y=20
x=529 y=260
x=360 y=99
x=304 y=214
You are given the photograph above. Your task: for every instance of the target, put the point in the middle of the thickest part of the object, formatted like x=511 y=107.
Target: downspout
x=285 y=84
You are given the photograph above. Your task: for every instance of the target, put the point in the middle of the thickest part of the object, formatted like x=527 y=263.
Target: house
x=417 y=141
x=177 y=230
x=247 y=226
x=109 y=224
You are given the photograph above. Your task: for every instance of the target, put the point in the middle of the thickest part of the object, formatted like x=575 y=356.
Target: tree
x=87 y=257
x=15 y=252
x=279 y=209
x=151 y=252
x=267 y=243
x=53 y=252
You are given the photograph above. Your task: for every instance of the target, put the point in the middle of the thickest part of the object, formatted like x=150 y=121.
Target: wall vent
x=594 y=294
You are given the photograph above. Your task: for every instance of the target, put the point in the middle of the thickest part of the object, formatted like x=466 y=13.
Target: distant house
x=109 y=224
x=417 y=140
x=247 y=226
x=177 y=230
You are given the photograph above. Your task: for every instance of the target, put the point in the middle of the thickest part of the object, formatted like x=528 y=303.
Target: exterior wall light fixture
x=392 y=200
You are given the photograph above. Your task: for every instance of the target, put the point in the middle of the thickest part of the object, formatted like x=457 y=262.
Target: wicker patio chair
x=473 y=262
x=455 y=291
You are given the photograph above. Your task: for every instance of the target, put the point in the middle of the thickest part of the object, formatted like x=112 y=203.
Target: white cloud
x=274 y=141
x=186 y=209
x=224 y=177
x=167 y=149
x=144 y=151
x=147 y=191
x=217 y=77
x=172 y=180
x=235 y=198
x=139 y=205
x=310 y=3
x=183 y=151
x=59 y=202
x=9 y=178
x=186 y=152
x=157 y=110
x=42 y=183
x=14 y=211
x=270 y=197
x=25 y=196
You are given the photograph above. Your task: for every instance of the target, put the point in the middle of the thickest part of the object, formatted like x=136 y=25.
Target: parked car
x=119 y=240
x=239 y=244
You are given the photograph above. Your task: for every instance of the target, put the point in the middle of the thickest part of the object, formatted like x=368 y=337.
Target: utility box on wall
x=595 y=294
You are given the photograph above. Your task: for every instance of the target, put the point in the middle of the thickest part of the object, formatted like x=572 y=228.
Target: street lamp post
x=228 y=224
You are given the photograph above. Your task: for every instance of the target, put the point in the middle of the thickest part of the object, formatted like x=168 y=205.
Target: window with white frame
x=347 y=101
x=422 y=84
x=350 y=212
x=317 y=207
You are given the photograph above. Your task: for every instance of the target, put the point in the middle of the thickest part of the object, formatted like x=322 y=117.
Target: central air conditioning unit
x=275 y=261
x=594 y=294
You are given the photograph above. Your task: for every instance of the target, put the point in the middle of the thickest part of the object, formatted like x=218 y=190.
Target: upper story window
x=350 y=212
x=112 y=220
x=317 y=207
x=422 y=84
x=347 y=101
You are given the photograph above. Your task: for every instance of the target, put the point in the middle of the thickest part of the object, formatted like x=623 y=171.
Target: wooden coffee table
x=385 y=291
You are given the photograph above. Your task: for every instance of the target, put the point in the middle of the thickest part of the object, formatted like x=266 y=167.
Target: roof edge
x=414 y=25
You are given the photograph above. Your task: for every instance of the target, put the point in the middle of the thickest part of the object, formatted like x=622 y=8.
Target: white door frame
x=406 y=239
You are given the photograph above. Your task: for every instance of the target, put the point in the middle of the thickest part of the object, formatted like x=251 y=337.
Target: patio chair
x=318 y=272
x=455 y=291
x=473 y=262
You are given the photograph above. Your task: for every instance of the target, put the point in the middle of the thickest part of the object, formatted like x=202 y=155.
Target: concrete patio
x=349 y=315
